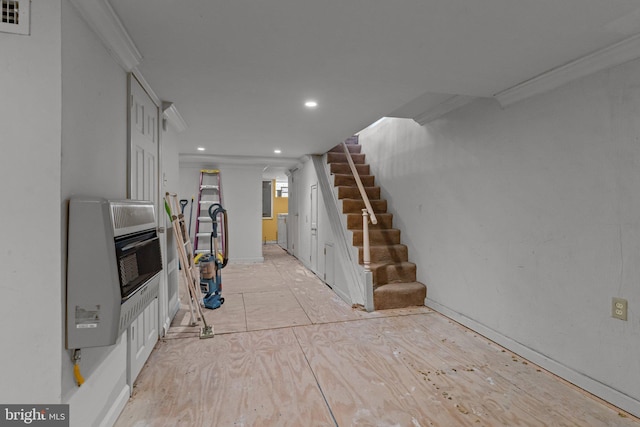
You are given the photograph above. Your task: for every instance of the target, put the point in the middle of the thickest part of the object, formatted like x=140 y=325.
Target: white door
x=313 y=257
x=143 y=185
x=143 y=128
x=294 y=213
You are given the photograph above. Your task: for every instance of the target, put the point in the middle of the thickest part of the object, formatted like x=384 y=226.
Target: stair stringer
x=361 y=284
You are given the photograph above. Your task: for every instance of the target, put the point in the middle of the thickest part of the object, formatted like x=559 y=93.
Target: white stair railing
x=367 y=213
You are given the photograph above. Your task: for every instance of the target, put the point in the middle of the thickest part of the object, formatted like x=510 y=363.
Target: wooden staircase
x=394 y=277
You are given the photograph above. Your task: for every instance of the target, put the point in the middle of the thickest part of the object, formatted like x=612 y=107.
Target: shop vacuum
x=211 y=264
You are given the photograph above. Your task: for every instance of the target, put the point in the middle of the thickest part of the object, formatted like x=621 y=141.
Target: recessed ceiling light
x=311 y=104
x=200 y=148
x=277 y=151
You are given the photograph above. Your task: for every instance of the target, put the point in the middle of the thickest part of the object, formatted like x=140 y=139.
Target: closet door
x=143 y=185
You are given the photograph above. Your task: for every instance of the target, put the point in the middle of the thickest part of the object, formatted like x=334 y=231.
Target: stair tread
x=399 y=295
x=401 y=285
x=380 y=230
x=383 y=246
x=374 y=265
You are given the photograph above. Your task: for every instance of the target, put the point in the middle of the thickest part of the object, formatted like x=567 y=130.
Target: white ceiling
x=239 y=71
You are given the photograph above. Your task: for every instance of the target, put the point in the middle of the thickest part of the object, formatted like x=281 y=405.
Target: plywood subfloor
x=289 y=352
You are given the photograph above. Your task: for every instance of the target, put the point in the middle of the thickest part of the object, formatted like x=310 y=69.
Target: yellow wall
x=270 y=226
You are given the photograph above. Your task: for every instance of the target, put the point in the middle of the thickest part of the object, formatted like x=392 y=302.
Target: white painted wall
x=305 y=177
x=525 y=222
x=94 y=163
x=30 y=261
x=242 y=197
x=170 y=183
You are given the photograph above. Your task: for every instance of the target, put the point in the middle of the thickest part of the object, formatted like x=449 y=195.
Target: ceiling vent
x=15 y=16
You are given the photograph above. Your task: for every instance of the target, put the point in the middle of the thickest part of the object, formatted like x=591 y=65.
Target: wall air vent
x=15 y=16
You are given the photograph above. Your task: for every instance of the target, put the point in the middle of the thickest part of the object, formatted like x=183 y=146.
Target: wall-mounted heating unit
x=113 y=266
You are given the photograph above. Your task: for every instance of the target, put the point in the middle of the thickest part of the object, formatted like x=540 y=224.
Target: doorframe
x=162 y=225
x=161 y=314
x=313 y=249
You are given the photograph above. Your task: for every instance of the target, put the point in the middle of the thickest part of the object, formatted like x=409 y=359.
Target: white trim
x=345 y=251
x=147 y=87
x=173 y=116
x=615 y=397
x=165 y=325
x=172 y=265
x=105 y=23
x=450 y=104
x=610 y=56
x=116 y=409
x=344 y=297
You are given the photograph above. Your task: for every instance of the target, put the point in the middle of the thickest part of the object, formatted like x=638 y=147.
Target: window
x=267 y=208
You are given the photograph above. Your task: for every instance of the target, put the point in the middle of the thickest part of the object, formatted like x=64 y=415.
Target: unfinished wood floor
x=289 y=352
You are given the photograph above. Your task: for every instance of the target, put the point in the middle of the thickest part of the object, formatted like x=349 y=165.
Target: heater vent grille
x=127 y=215
x=15 y=16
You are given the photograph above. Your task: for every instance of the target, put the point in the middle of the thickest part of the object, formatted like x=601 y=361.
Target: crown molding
x=105 y=22
x=173 y=116
x=616 y=54
x=443 y=108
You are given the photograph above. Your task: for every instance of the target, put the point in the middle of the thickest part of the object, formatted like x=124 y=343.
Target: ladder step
x=210 y=192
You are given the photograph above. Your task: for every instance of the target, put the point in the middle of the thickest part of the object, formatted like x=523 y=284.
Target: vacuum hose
x=214 y=210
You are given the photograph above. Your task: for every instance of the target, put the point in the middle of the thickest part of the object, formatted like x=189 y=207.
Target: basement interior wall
x=300 y=216
x=525 y=222
x=94 y=164
x=30 y=270
x=242 y=198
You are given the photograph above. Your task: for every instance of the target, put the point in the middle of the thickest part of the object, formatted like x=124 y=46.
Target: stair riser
x=354 y=221
x=342 y=158
x=388 y=299
x=345 y=169
x=350 y=181
x=353 y=148
x=394 y=273
x=353 y=206
x=396 y=253
x=377 y=237
x=354 y=193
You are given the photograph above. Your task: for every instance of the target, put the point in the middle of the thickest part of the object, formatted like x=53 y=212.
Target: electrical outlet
x=619 y=308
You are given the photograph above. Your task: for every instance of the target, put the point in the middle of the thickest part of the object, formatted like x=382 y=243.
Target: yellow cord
x=78 y=375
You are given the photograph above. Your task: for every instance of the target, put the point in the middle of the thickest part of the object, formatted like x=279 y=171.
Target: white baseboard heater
x=113 y=266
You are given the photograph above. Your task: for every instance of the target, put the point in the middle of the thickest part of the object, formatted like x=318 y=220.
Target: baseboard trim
x=591 y=385
x=165 y=327
x=116 y=409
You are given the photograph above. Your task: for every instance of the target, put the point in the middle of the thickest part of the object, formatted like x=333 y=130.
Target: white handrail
x=366 y=213
x=363 y=193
